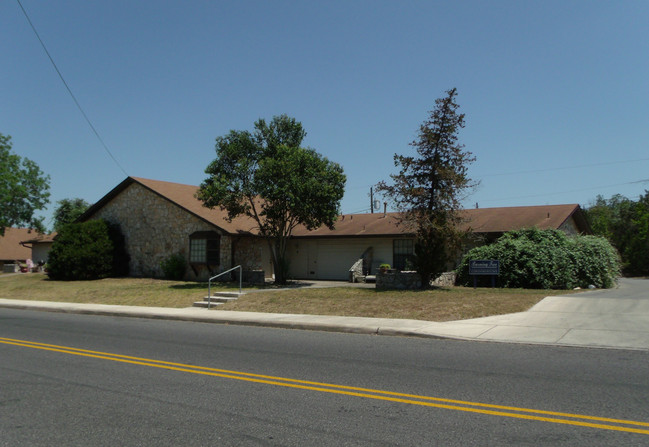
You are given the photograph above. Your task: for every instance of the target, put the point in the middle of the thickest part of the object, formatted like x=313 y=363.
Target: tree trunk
x=278 y=257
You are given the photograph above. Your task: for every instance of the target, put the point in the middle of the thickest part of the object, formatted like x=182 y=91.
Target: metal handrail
x=209 y=283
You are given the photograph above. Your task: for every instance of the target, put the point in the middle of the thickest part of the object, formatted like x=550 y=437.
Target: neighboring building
x=11 y=251
x=40 y=247
x=159 y=219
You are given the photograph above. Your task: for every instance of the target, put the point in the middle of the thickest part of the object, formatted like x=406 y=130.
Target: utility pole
x=371 y=200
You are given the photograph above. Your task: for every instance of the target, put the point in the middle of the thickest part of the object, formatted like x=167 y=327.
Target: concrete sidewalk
x=617 y=318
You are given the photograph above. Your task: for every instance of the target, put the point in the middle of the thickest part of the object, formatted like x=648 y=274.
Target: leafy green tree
x=24 y=189
x=625 y=223
x=637 y=250
x=267 y=176
x=68 y=210
x=87 y=250
x=429 y=187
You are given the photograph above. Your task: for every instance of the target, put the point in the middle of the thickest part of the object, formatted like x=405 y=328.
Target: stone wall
x=570 y=227
x=446 y=279
x=248 y=252
x=398 y=280
x=155 y=228
x=410 y=280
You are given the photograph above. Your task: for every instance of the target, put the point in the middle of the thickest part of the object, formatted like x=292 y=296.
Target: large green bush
x=547 y=259
x=88 y=250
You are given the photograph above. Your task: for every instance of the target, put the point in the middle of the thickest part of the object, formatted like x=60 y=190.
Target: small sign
x=484 y=267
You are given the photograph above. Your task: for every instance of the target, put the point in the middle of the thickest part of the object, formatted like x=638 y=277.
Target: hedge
x=86 y=251
x=547 y=259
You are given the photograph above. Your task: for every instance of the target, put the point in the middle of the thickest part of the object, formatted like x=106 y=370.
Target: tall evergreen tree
x=429 y=187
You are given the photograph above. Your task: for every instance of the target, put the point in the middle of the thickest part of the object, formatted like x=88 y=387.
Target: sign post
x=484 y=267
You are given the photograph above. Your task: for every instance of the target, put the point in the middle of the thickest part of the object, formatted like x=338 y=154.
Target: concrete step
x=218 y=298
x=227 y=294
x=221 y=299
x=205 y=304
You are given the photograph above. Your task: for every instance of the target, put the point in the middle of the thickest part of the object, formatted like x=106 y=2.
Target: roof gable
x=182 y=196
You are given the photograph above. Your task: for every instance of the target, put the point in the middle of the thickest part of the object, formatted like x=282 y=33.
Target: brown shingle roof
x=10 y=248
x=484 y=220
x=40 y=238
x=498 y=220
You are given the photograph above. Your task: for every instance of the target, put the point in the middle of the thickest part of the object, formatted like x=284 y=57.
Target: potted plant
x=383 y=268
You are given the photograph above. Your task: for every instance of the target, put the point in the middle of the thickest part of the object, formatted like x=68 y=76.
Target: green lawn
x=452 y=303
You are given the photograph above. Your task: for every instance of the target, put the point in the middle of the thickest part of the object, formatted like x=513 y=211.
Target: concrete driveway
x=604 y=318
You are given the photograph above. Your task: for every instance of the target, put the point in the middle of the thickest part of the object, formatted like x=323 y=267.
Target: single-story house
x=159 y=219
x=40 y=247
x=11 y=250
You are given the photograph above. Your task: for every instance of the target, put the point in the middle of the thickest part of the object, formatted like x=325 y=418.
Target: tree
x=24 y=189
x=267 y=176
x=429 y=187
x=625 y=224
x=68 y=210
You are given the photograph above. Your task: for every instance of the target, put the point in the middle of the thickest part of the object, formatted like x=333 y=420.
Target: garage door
x=332 y=258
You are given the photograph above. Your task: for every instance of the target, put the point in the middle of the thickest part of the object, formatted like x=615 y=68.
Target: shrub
x=87 y=250
x=547 y=259
x=174 y=267
x=596 y=261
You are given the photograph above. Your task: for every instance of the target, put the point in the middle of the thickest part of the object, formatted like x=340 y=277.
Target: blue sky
x=556 y=93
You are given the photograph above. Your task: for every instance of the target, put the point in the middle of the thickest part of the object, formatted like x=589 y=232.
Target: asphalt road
x=125 y=381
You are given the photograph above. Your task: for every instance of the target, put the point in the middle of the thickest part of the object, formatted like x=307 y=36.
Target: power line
x=592 y=165
x=70 y=91
x=567 y=192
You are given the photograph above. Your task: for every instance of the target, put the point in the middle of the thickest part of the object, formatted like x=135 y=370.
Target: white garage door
x=332 y=258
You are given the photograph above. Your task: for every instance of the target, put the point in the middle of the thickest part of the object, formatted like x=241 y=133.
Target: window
x=204 y=248
x=402 y=253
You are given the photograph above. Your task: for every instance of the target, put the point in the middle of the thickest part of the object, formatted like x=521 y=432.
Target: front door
x=312 y=260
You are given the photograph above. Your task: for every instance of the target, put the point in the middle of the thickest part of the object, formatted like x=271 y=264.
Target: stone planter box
x=398 y=280
x=393 y=280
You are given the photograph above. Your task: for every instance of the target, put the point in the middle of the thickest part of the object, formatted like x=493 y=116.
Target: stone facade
x=248 y=252
x=155 y=228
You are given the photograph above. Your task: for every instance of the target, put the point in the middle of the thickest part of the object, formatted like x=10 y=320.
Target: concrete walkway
x=615 y=318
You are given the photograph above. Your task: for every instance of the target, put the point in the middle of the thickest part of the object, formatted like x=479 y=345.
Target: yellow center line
x=428 y=401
